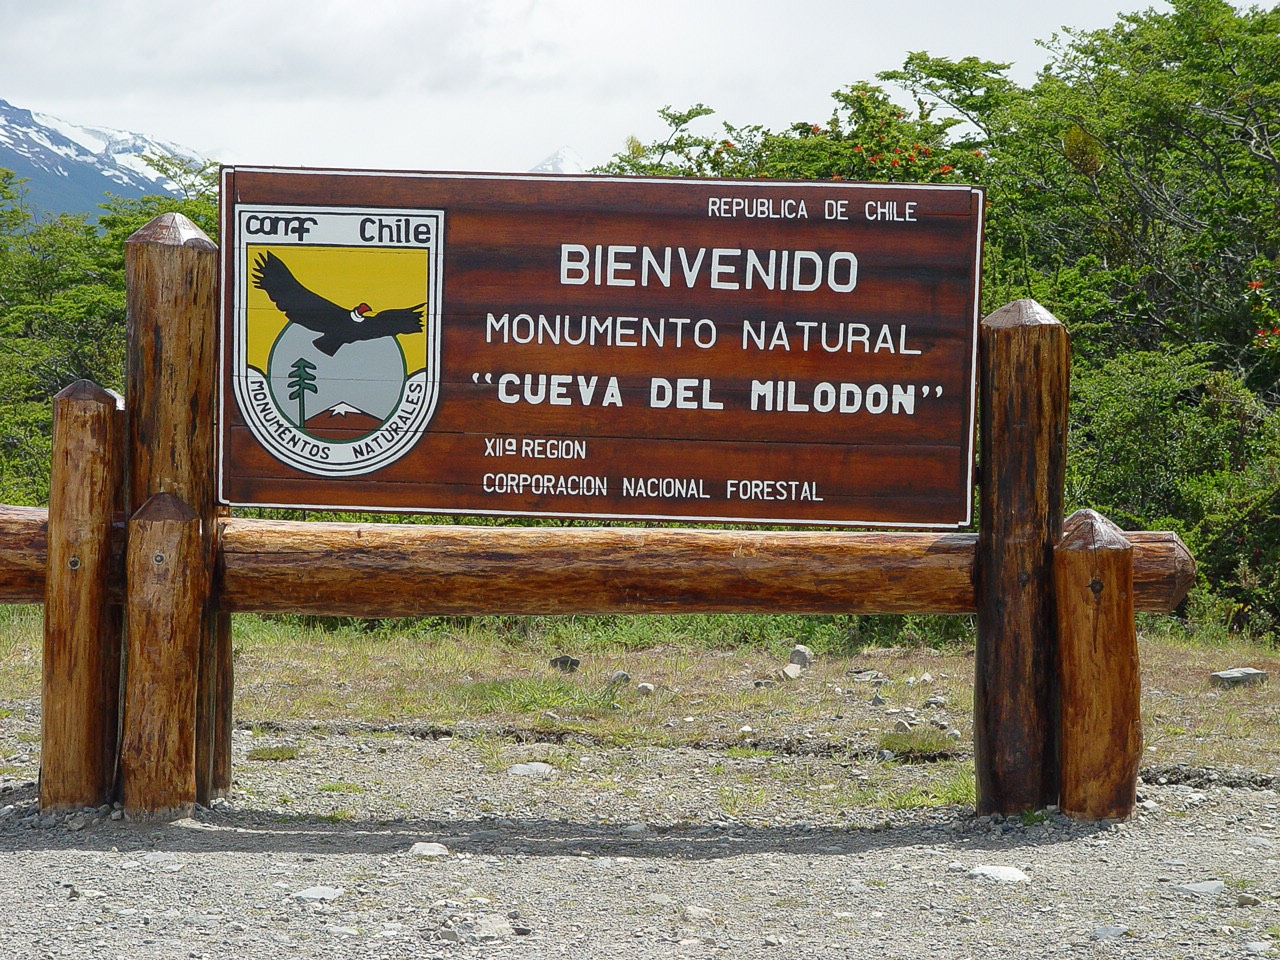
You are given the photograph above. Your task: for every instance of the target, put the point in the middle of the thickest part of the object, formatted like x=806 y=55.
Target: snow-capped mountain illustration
x=71 y=168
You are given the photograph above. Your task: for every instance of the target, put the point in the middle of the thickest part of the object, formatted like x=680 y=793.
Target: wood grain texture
x=1024 y=369
x=171 y=272
x=407 y=570
x=1163 y=569
x=82 y=630
x=386 y=570
x=1098 y=657
x=24 y=553
x=168 y=595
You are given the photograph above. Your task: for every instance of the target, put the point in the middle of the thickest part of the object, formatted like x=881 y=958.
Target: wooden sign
x=610 y=348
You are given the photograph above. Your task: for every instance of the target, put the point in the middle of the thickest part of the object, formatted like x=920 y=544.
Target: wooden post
x=167 y=596
x=81 y=687
x=1024 y=377
x=1098 y=653
x=172 y=280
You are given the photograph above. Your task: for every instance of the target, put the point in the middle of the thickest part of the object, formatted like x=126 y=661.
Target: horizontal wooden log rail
x=394 y=570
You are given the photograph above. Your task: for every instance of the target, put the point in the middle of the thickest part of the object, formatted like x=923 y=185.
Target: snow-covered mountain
x=71 y=168
x=564 y=160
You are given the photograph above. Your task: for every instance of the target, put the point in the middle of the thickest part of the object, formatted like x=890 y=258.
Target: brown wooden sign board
x=595 y=347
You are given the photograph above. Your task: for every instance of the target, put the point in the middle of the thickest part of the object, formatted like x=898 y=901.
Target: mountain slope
x=71 y=168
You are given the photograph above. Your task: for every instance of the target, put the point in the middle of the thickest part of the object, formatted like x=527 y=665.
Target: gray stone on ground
x=792 y=671
x=1205 y=888
x=535 y=768
x=319 y=893
x=425 y=850
x=1238 y=677
x=877 y=700
x=1109 y=933
x=483 y=929
x=999 y=874
x=695 y=914
x=620 y=678
x=644 y=689
x=801 y=655
x=902 y=726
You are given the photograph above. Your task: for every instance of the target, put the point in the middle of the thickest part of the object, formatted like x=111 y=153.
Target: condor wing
x=403 y=320
x=300 y=305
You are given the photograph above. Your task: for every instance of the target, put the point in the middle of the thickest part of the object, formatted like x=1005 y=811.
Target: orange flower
x=946 y=168
x=815 y=128
x=1255 y=284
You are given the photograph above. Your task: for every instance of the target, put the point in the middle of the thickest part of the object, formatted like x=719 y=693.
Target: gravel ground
x=588 y=851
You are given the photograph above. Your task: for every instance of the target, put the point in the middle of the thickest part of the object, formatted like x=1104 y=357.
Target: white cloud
x=474 y=84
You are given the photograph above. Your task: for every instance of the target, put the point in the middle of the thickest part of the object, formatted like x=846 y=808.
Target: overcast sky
x=478 y=84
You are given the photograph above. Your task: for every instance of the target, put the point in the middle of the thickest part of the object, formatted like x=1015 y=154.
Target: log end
x=172 y=230
x=1184 y=571
x=1020 y=313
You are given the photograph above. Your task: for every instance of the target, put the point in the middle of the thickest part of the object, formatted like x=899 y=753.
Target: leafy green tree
x=866 y=137
x=1135 y=187
x=62 y=314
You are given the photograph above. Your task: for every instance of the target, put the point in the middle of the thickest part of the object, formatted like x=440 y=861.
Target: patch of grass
x=738 y=752
x=738 y=800
x=21 y=650
x=341 y=786
x=923 y=742
x=273 y=754
x=10 y=771
x=525 y=695
x=338 y=816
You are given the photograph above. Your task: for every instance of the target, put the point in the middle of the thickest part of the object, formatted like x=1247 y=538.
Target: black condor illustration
x=336 y=325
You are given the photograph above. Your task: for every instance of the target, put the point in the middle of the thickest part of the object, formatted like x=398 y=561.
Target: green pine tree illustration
x=300 y=384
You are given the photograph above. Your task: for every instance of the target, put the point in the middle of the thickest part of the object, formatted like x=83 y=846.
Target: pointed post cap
x=172 y=230
x=1020 y=313
x=162 y=507
x=88 y=391
x=1090 y=530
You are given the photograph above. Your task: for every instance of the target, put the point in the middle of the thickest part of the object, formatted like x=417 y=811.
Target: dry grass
x=487 y=678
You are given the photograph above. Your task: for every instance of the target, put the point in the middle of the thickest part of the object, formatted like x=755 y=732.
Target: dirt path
x=586 y=851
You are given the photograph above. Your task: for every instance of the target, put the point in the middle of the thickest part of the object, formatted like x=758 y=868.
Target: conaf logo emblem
x=337 y=334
